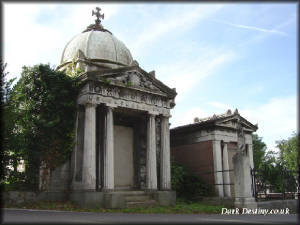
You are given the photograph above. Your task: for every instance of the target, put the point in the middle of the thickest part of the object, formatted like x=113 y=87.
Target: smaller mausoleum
x=207 y=148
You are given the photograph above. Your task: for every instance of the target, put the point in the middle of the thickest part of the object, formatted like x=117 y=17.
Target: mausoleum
x=122 y=144
x=207 y=147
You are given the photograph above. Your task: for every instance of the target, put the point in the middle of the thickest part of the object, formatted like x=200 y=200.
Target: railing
x=282 y=185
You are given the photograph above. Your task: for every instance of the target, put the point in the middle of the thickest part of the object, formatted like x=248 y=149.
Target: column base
x=249 y=203
x=165 y=198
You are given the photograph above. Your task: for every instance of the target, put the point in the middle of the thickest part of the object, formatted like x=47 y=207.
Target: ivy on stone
x=42 y=111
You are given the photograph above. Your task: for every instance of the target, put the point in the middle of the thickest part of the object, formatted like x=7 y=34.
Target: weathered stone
x=243 y=182
x=165 y=198
x=89 y=152
x=226 y=177
x=109 y=151
x=165 y=176
x=151 y=154
x=88 y=199
x=218 y=175
x=114 y=200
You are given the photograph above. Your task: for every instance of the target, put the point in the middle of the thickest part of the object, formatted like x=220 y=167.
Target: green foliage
x=289 y=152
x=177 y=175
x=128 y=84
x=6 y=156
x=40 y=120
x=259 y=151
x=72 y=71
x=188 y=185
x=277 y=171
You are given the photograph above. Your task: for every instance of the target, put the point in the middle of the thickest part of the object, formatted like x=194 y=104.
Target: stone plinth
x=243 y=182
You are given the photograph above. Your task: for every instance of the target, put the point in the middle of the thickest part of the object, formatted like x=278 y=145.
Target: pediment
x=231 y=122
x=134 y=78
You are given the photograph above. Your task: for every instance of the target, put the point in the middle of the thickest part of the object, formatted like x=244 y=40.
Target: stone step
x=131 y=193
x=137 y=198
x=143 y=204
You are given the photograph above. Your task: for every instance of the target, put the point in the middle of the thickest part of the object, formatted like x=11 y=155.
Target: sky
x=218 y=56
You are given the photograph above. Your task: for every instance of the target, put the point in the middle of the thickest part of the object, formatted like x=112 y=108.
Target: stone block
x=165 y=198
x=114 y=200
x=88 y=199
x=53 y=196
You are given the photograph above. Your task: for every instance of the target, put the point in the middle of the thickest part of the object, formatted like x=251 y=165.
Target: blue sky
x=217 y=56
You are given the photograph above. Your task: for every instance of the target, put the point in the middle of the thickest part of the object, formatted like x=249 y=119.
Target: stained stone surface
x=123 y=156
x=97 y=45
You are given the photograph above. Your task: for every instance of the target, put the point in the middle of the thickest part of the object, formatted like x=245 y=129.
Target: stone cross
x=98 y=15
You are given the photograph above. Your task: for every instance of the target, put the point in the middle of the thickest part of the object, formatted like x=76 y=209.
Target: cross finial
x=98 y=15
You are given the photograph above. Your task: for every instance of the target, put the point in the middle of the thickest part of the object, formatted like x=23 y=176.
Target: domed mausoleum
x=96 y=48
x=121 y=156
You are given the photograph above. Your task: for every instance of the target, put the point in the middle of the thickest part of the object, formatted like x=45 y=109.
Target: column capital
x=166 y=115
x=89 y=104
x=152 y=113
x=216 y=141
x=110 y=105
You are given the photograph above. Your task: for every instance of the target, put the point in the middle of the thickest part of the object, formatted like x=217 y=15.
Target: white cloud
x=220 y=105
x=186 y=75
x=274 y=31
x=176 y=20
x=276 y=119
x=187 y=117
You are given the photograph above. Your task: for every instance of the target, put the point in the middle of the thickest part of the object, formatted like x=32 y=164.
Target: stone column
x=226 y=177
x=109 y=151
x=250 y=154
x=218 y=176
x=151 y=179
x=165 y=173
x=89 y=149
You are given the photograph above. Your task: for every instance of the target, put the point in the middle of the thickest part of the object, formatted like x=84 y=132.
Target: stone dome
x=99 y=46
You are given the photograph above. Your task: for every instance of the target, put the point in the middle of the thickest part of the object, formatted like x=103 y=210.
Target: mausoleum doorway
x=123 y=157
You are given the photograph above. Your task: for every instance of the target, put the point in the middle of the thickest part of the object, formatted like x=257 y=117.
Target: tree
x=41 y=114
x=259 y=151
x=6 y=156
x=289 y=152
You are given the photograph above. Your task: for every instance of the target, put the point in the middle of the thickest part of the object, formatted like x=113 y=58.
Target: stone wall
x=55 y=180
x=21 y=197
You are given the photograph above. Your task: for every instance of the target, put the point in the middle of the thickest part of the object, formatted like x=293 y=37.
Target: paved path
x=52 y=216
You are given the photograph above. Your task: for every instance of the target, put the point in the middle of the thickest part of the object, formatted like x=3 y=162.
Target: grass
x=181 y=207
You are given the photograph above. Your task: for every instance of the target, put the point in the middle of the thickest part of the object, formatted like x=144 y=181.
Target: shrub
x=188 y=185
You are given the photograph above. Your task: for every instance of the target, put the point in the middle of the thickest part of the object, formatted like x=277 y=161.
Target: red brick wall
x=198 y=157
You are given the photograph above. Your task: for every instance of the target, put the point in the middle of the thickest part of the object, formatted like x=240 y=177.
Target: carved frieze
x=130 y=95
x=118 y=102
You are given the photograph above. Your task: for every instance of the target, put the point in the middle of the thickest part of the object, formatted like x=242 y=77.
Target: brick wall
x=198 y=157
